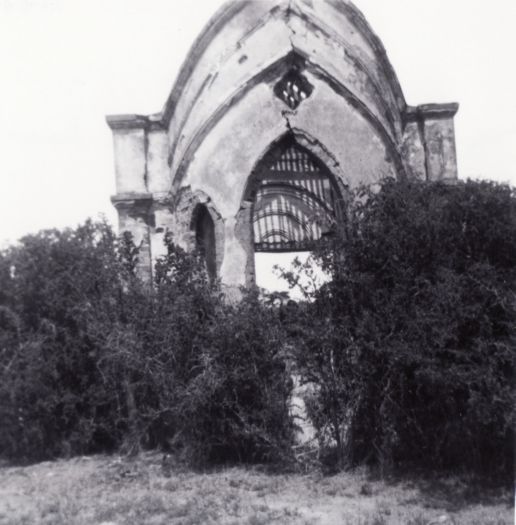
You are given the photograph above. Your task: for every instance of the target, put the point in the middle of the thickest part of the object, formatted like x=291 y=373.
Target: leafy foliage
x=53 y=398
x=410 y=346
x=92 y=359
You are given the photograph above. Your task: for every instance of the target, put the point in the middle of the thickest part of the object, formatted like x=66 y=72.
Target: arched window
x=205 y=238
x=295 y=199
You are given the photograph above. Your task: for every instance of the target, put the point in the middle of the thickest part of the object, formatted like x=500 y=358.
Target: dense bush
x=410 y=347
x=53 y=398
x=92 y=359
x=228 y=389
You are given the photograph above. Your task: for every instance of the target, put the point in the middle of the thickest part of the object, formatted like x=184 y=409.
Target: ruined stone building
x=280 y=108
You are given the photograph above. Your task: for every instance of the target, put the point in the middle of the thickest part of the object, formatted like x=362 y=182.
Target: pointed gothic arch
x=295 y=199
x=205 y=242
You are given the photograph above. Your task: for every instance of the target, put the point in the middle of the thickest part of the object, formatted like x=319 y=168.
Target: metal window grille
x=295 y=203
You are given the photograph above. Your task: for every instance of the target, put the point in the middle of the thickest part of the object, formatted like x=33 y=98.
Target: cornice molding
x=132 y=200
x=431 y=112
x=135 y=122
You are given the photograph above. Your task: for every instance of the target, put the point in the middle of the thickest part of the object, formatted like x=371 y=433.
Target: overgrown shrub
x=411 y=345
x=92 y=359
x=53 y=397
x=213 y=369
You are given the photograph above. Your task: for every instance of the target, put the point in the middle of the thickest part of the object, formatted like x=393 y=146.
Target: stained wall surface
x=226 y=110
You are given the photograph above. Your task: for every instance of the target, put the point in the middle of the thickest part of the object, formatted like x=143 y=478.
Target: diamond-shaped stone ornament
x=293 y=88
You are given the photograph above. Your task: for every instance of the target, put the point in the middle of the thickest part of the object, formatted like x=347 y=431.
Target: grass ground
x=116 y=491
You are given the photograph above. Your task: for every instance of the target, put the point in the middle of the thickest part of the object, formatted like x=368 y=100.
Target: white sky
x=65 y=64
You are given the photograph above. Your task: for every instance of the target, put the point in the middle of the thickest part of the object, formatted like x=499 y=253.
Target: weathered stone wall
x=158 y=171
x=134 y=215
x=227 y=156
x=429 y=141
x=223 y=115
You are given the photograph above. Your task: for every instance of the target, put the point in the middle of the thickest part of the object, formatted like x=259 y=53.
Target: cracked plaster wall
x=226 y=158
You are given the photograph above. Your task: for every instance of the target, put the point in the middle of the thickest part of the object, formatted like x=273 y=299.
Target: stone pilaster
x=134 y=216
x=429 y=141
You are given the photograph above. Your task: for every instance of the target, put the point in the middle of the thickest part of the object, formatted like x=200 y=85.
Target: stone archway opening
x=205 y=243
x=296 y=201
